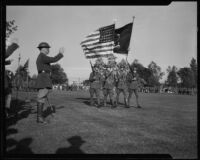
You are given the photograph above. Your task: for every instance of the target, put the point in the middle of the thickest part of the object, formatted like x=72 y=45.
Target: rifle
x=92 y=70
x=107 y=78
x=92 y=67
x=130 y=69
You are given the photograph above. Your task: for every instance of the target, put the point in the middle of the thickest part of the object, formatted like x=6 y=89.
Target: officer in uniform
x=95 y=85
x=43 y=82
x=133 y=84
x=121 y=84
x=108 y=85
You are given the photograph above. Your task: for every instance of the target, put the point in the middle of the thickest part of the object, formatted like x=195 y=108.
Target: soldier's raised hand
x=62 y=50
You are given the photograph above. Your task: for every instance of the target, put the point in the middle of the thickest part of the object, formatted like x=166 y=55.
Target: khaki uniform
x=133 y=84
x=122 y=87
x=95 y=87
x=108 y=87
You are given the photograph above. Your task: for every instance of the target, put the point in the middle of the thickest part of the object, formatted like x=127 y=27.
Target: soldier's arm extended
x=47 y=59
x=11 y=49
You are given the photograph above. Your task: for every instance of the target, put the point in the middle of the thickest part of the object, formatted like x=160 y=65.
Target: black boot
x=98 y=103
x=126 y=103
x=105 y=102
x=91 y=102
x=40 y=118
x=113 y=104
x=117 y=101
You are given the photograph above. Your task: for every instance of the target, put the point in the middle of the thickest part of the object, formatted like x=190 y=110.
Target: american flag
x=99 y=43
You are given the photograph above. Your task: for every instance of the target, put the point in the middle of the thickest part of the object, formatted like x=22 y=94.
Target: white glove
x=61 y=50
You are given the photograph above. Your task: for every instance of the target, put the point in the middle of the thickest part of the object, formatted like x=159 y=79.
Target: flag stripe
x=99 y=42
x=102 y=51
x=96 y=56
x=98 y=45
x=100 y=48
x=93 y=36
x=90 y=41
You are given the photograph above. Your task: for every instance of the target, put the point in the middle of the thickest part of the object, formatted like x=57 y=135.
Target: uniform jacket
x=43 y=64
x=122 y=80
x=7 y=81
x=109 y=80
x=95 y=80
x=133 y=81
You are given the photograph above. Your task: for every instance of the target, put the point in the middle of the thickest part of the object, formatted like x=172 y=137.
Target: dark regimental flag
x=99 y=43
x=122 y=39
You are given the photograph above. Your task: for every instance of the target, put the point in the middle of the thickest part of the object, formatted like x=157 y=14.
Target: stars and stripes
x=99 y=43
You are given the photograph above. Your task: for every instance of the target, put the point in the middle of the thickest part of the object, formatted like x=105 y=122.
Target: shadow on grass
x=18 y=110
x=51 y=110
x=75 y=142
x=21 y=147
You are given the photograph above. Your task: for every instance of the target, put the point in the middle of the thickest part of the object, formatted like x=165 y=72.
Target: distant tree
x=22 y=72
x=86 y=82
x=143 y=72
x=137 y=65
x=10 y=28
x=58 y=75
x=21 y=75
x=157 y=74
x=172 y=78
x=193 y=66
x=187 y=77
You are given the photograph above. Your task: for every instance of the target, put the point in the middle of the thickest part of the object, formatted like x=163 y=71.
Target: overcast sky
x=166 y=35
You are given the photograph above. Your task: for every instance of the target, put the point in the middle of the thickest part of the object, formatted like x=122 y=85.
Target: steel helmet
x=43 y=45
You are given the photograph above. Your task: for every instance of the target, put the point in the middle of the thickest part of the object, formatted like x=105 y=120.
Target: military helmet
x=95 y=66
x=112 y=57
x=43 y=45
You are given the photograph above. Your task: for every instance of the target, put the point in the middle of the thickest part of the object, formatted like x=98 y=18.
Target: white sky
x=166 y=35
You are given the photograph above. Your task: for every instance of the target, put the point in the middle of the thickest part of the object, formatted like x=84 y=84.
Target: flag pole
x=114 y=22
x=130 y=39
x=27 y=98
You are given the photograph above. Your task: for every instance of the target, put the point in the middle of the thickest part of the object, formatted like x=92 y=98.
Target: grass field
x=166 y=124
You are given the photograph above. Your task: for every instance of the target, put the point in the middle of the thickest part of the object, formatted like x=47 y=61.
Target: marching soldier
x=133 y=84
x=121 y=85
x=95 y=85
x=109 y=82
x=43 y=82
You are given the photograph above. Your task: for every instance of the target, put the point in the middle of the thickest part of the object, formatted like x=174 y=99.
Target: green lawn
x=166 y=124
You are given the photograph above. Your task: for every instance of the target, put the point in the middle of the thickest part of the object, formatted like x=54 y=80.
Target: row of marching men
x=113 y=79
